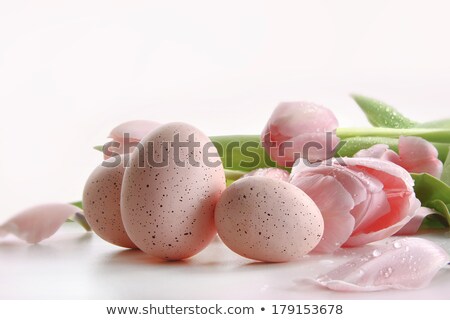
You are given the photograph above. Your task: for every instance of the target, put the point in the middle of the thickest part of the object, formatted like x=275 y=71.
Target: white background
x=70 y=71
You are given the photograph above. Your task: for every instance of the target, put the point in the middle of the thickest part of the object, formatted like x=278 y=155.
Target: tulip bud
x=415 y=154
x=300 y=129
x=126 y=136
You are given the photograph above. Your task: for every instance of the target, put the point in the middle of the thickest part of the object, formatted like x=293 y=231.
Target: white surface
x=71 y=70
x=78 y=265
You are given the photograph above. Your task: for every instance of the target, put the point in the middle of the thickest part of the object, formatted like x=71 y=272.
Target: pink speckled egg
x=101 y=202
x=268 y=220
x=170 y=192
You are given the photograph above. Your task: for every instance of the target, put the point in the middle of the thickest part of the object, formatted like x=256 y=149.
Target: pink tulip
x=408 y=263
x=300 y=129
x=126 y=135
x=361 y=199
x=415 y=154
x=274 y=173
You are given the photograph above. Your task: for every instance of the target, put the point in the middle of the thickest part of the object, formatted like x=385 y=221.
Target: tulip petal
x=376 y=205
x=414 y=224
x=381 y=196
x=334 y=203
x=379 y=151
x=360 y=239
x=38 y=223
x=384 y=166
x=300 y=129
x=416 y=155
x=407 y=263
x=302 y=117
x=274 y=173
x=137 y=129
x=419 y=156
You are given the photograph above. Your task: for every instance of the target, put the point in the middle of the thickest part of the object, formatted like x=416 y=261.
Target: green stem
x=432 y=135
x=244 y=153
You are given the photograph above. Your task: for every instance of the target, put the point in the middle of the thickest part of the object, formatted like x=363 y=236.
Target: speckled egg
x=268 y=220
x=170 y=192
x=101 y=202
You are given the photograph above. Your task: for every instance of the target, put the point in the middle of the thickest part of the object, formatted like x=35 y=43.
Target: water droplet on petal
x=397 y=245
x=376 y=253
x=386 y=272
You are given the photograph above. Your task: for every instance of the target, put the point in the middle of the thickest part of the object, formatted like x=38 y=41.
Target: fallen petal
x=401 y=263
x=38 y=223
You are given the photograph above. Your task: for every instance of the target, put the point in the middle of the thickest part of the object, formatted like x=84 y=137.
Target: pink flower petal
x=300 y=117
x=334 y=203
x=379 y=151
x=137 y=129
x=378 y=194
x=376 y=205
x=300 y=129
x=274 y=173
x=407 y=263
x=419 y=156
x=398 y=186
x=414 y=224
x=416 y=155
x=38 y=223
x=385 y=166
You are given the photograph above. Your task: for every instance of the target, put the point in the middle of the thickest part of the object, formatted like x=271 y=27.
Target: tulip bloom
x=361 y=199
x=300 y=129
x=415 y=154
x=126 y=135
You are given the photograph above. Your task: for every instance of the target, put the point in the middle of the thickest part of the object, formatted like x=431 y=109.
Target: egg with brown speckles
x=101 y=202
x=268 y=220
x=170 y=191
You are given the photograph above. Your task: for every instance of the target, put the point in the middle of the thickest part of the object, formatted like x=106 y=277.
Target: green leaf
x=433 y=193
x=78 y=204
x=441 y=208
x=429 y=188
x=445 y=177
x=242 y=153
x=433 y=221
x=381 y=114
